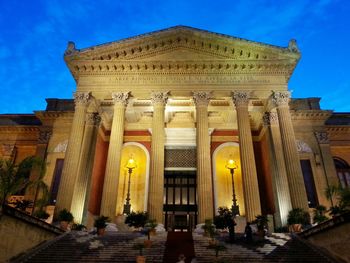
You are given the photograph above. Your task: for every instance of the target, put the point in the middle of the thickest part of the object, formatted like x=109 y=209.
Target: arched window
x=343 y=171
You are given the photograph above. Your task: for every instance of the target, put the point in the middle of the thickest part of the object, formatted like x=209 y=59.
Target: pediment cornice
x=180 y=45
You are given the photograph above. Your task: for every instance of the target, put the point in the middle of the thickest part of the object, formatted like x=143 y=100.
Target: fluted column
x=249 y=175
x=156 y=181
x=111 y=181
x=292 y=161
x=71 y=159
x=84 y=172
x=278 y=170
x=204 y=178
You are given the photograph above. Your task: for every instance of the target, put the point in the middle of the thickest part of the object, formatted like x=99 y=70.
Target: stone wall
x=20 y=232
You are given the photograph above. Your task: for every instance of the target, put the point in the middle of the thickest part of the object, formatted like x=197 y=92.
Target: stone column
x=111 y=181
x=156 y=181
x=204 y=177
x=278 y=170
x=82 y=185
x=71 y=159
x=249 y=175
x=292 y=161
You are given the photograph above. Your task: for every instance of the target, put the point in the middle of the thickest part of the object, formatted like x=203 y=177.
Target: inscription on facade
x=177 y=79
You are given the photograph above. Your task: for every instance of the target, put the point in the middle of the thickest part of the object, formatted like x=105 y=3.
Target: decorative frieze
x=322 y=137
x=281 y=98
x=303 y=147
x=61 y=147
x=120 y=97
x=201 y=98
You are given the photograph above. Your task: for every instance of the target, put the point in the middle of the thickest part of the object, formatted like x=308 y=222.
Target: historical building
x=182 y=102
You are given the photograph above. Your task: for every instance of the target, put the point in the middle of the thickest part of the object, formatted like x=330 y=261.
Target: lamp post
x=231 y=165
x=130 y=166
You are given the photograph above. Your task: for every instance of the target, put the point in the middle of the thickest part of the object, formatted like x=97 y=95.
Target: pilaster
x=156 y=186
x=84 y=172
x=204 y=177
x=71 y=160
x=111 y=181
x=249 y=175
x=292 y=161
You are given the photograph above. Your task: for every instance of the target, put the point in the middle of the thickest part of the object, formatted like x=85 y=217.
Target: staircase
x=178 y=243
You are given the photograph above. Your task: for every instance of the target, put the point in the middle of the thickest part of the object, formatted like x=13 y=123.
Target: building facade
x=181 y=102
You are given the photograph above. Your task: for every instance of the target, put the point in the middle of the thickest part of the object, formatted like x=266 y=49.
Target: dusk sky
x=34 y=35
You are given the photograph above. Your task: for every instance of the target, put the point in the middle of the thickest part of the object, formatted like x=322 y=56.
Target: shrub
x=65 y=215
x=298 y=216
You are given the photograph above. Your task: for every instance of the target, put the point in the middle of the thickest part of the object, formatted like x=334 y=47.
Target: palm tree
x=15 y=177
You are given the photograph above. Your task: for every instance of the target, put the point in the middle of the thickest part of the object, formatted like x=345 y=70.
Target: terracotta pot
x=296 y=228
x=152 y=232
x=140 y=259
x=64 y=225
x=213 y=242
x=148 y=243
x=101 y=231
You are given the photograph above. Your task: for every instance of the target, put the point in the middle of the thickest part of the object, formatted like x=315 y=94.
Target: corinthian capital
x=120 y=97
x=322 y=137
x=241 y=98
x=201 y=98
x=281 y=98
x=82 y=98
x=93 y=119
x=270 y=118
x=159 y=97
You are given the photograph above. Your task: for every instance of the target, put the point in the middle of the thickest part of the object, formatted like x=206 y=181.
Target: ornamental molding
x=20 y=129
x=303 y=147
x=183 y=67
x=311 y=115
x=322 y=137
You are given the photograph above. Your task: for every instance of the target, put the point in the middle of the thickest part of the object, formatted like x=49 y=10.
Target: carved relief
x=82 y=98
x=322 y=137
x=201 y=98
x=8 y=149
x=70 y=50
x=159 y=97
x=241 y=98
x=61 y=147
x=303 y=147
x=120 y=97
x=281 y=98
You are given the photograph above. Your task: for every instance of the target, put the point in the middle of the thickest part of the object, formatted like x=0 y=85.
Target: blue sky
x=34 y=35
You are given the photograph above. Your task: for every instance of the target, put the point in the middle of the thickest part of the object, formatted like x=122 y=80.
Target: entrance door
x=180 y=205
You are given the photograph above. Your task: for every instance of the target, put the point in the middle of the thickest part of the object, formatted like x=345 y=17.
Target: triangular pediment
x=180 y=43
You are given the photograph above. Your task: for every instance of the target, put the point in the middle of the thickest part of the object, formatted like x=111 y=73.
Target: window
x=343 y=171
x=309 y=183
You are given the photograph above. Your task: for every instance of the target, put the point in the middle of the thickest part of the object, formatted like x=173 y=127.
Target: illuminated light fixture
x=231 y=165
x=131 y=165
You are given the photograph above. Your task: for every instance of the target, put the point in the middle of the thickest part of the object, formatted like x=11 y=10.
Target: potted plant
x=297 y=218
x=100 y=224
x=150 y=230
x=209 y=230
x=225 y=219
x=319 y=214
x=261 y=224
x=41 y=214
x=78 y=227
x=140 y=258
x=65 y=217
x=136 y=219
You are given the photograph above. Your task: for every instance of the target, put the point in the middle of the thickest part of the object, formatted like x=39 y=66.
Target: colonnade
x=75 y=182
